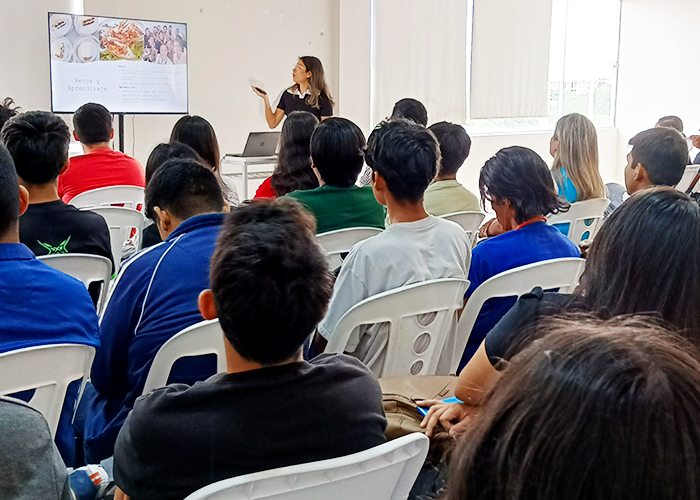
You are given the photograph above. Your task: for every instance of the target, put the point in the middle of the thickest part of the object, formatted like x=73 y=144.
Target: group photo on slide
x=453 y=255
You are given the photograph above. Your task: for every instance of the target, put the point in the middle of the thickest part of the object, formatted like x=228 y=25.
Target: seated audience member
x=410 y=109
x=198 y=134
x=337 y=156
x=517 y=183
x=293 y=170
x=38 y=142
x=415 y=247
x=100 y=166
x=155 y=297
x=593 y=410
x=160 y=154
x=269 y=288
x=445 y=195
x=31 y=467
x=636 y=264
x=671 y=122
x=7 y=111
x=38 y=305
x=658 y=158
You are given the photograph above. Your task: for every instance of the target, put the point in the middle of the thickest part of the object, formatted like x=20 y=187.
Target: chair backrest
x=385 y=472
x=48 y=369
x=584 y=218
x=470 y=222
x=121 y=223
x=416 y=342
x=84 y=267
x=548 y=274
x=113 y=196
x=205 y=337
x=341 y=241
x=686 y=183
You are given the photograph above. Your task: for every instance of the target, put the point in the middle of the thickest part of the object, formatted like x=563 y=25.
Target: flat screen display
x=127 y=65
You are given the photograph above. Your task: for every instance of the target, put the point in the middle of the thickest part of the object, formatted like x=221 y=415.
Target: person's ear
x=111 y=134
x=640 y=174
x=379 y=187
x=308 y=75
x=65 y=167
x=23 y=199
x=316 y=173
x=207 y=306
x=75 y=136
x=227 y=207
x=165 y=220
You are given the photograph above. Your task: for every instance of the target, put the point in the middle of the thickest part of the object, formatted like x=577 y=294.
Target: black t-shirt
x=510 y=334
x=294 y=102
x=56 y=228
x=178 y=439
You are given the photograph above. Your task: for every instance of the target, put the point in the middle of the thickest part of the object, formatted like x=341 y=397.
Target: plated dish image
x=61 y=49
x=121 y=40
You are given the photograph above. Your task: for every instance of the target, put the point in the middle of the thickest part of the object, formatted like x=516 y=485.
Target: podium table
x=244 y=169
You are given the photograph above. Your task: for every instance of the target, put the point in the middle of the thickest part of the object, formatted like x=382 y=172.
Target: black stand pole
x=121 y=132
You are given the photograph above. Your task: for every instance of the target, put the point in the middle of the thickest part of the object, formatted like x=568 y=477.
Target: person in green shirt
x=445 y=195
x=337 y=146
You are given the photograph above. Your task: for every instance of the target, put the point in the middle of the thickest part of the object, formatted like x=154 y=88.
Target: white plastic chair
x=470 y=222
x=48 y=369
x=584 y=218
x=548 y=274
x=341 y=241
x=205 y=337
x=415 y=346
x=112 y=196
x=120 y=222
x=686 y=183
x=385 y=472
x=84 y=267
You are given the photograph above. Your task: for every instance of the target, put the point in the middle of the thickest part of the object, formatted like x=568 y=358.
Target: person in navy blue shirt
x=517 y=183
x=38 y=305
x=154 y=298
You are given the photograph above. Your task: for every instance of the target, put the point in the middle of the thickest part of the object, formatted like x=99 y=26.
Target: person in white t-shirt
x=415 y=247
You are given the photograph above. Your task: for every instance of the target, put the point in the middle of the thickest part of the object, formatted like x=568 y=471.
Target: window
x=583 y=54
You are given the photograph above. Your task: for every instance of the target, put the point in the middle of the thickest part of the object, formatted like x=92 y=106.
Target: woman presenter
x=309 y=93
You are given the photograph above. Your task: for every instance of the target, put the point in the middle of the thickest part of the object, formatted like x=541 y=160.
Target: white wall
x=659 y=71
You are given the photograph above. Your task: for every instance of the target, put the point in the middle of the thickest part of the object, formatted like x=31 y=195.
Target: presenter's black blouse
x=293 y=101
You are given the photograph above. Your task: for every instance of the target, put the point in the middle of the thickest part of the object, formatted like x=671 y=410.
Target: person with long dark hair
x=518 y=185
x=592 y=410
x=637 y=264
x=309 y=93
x=293 y=170
x=198 y=134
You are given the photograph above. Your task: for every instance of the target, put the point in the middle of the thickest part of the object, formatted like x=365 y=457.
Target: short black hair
x=406 y=155
x=7 y=110
x=455 y=144
x=337 y=151
x=521 y=176
x=168 y=151
x=92 y=123
x=672 y=122
x=270 y=279
x=38 y=142
x=185 y=188
x=410 y=109
x=663 y=152
x=9 y=192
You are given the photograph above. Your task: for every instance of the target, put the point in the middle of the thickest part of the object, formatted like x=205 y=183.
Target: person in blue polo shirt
x=154 y=298
x=517 y=183
x=38 y=305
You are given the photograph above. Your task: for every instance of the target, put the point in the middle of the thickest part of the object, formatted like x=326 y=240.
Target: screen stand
x=121 y=132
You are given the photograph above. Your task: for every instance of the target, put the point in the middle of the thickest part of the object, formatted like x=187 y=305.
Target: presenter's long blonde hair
x=317 y=82
x=577 y=154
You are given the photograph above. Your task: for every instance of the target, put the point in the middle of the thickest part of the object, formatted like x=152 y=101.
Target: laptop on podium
x=260 y=144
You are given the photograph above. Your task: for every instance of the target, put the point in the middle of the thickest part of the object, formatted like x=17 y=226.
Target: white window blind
x=420 y=52
x=510 y=58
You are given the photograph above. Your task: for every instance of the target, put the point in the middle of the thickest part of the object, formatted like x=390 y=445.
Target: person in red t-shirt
x=100 y=166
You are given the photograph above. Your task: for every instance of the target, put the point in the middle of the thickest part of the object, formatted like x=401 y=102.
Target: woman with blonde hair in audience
x=293 y=171
x=637 y=264
x=592 y=410
x=574 y=147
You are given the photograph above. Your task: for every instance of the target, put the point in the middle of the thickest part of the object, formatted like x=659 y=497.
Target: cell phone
x=259 y=90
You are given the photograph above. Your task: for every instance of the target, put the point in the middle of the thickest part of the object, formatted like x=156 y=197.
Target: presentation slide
x=127 y=65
